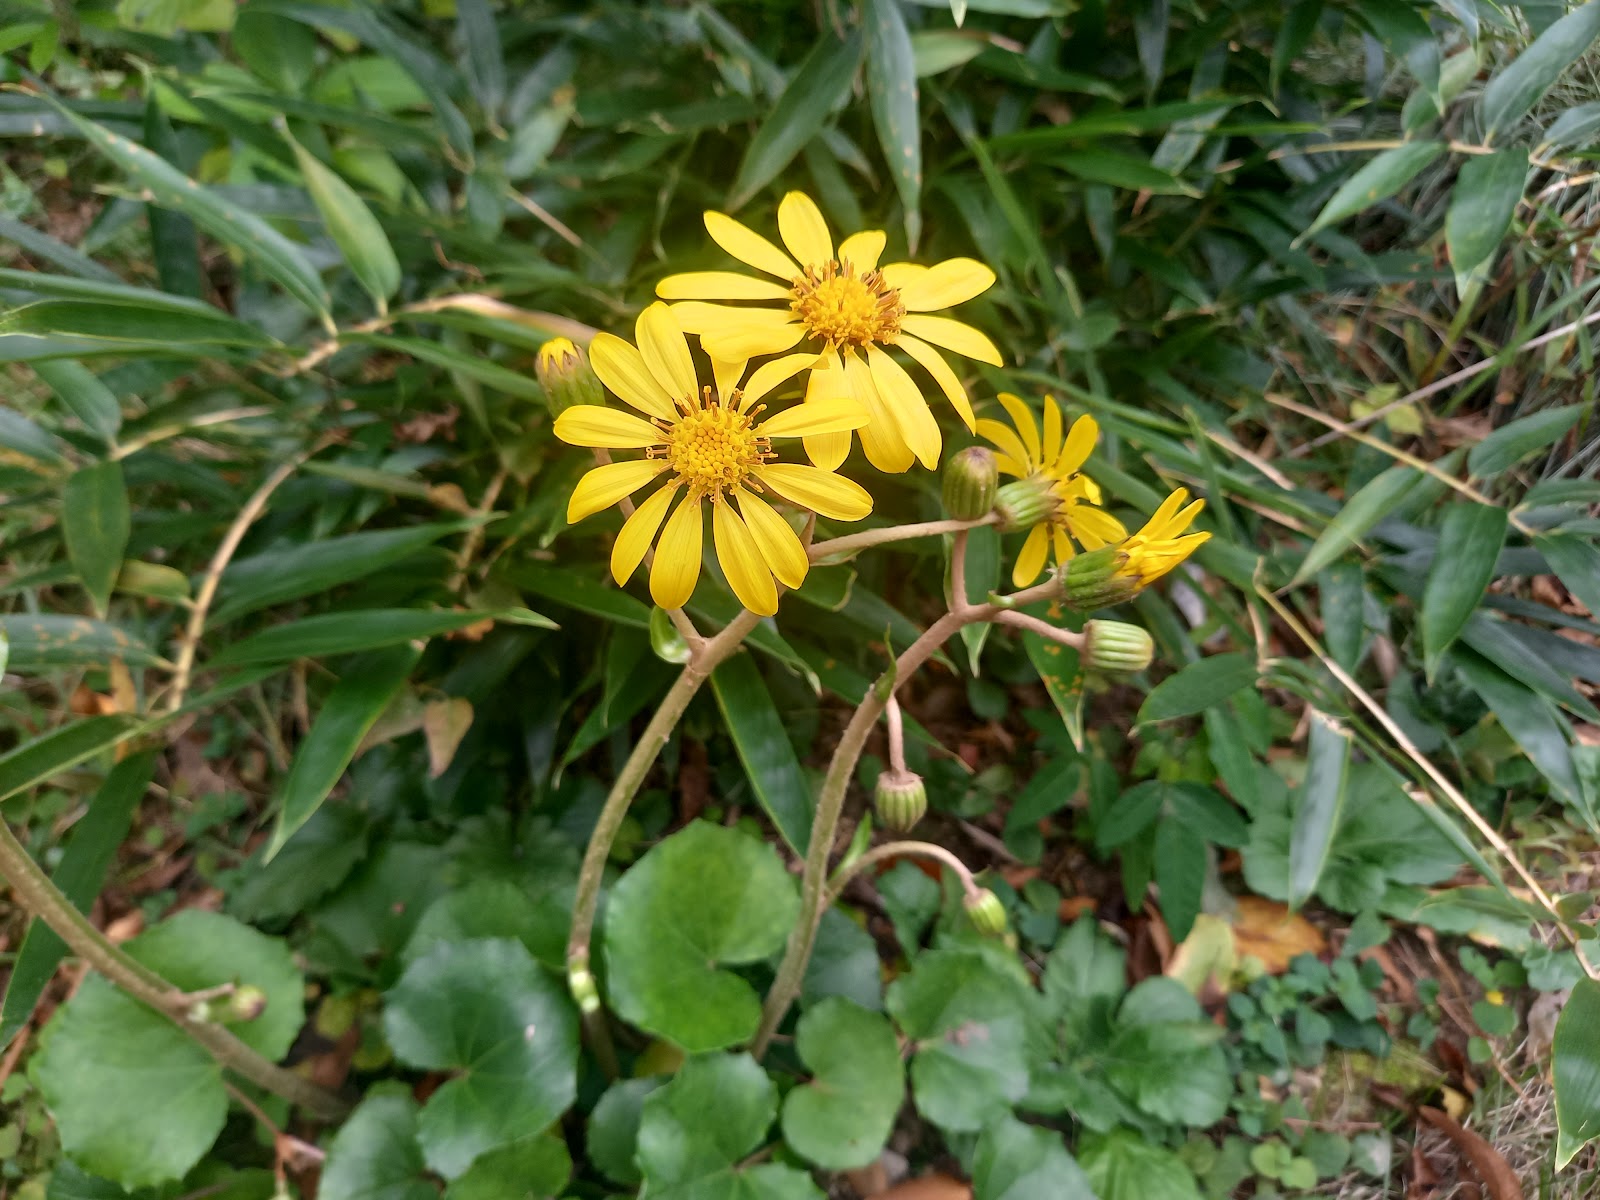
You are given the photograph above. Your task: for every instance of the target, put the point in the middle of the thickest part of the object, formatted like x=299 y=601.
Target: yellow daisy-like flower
x=711 y=447
x=849 y=311
x=1162 y=544
x=1052 y=499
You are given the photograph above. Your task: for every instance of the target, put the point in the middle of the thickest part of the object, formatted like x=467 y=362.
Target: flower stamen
x=843 y=308
x=713 y=447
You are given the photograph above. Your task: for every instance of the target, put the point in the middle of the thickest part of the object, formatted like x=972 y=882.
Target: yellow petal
x=697 y=316
x=677 y=565
x=823 y=492
x=1007 y=441
x=861 y=250
x=592 y=425
x=1027 y=427
x=903 y=275
x=727 y=375
x=605 y=485
x=882 y=439
x=1031 y=561
x=622 y=369
x=948 y=283
x=1094 y=527
x=828 y=382
x=665 y=351
x=804 y=231
x=770 y=375
x=814 y=417
x=1063 y=544
x=1080 y=442
x=780 y=544
x=1007 y=465
x=633 y=542
x=719 y=285
x=953 y=335
x=911 y=412
x=1164 y=514
x=741 y=561
x=751 y=340
x=748 y=246
x=934 y=364
x=1052 y=430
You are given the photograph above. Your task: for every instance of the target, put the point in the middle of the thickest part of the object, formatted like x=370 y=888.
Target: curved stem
x=1056 y=633
x=877 y=854
x=34 y=892
x=852 y=542
x=897 y=737
x=591 y=873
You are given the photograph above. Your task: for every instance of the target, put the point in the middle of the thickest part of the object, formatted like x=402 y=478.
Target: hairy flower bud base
x=1115 y=647
x=900 y=800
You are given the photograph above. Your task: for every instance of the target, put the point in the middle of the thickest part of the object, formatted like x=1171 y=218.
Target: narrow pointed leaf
x=1317 y=808
x=1482 y=204
x=1518 y=87
x=1463 y=567
x=1377 y=180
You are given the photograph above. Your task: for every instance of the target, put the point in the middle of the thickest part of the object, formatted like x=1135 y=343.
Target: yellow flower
x=1162 y=544
x=848 y=310
x=710 y=446
x=1052 y=499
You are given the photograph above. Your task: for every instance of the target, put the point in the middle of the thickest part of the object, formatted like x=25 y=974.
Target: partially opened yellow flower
x=849 y=311
x=1051 y=499
x=1162 y=543
x=710 y=447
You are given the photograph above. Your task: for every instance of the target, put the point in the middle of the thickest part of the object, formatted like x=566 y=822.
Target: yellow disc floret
x=713 y=448
x=844 y=308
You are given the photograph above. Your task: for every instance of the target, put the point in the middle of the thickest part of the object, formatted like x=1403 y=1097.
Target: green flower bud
x=234 y=1006
x=1116 y=647
x=1091 y=581
x=1024 y=503
x=564 y=372
x=900 y=800
x=971 y=479
x=987 y=914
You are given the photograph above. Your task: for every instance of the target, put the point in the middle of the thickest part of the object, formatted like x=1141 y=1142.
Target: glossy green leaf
x=704 y=897
x=505 y=1028
x=1379 y=179
x=1061 y=672
x=1517 y=87
x=130 y=327
x=79 y=876
x=95 y=523
x=1512 y=443
x=1575 y=1065
x=613 y=1131
x=375 y=1155
x=535 y=1168
x=50 y=640
x=1121 y=170
x=1123 y=1165
x=935 y=51
x=841 y=1119
x=367 y=629
x=819 y=84
x=1530 y=719
x=971 y=1062
x=174 y=241
x=352 y=227
x=1015 y=1161
x=1576 y=561
x=223 y=220
x=37 y=761
x=584 y=591
x=763 y=746
x=1318 y=807
x=1360 y=513
x=892 y=94
x=695 y=1133
x=1470 y=541
x=1574 y=127
x=1180 y=869
x=1200 y=685
x=351 y=709
x=1482 y=204
x=82 y=392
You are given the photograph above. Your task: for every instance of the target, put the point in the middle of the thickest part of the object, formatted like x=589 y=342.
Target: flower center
x=844 y=308
x=712 y=447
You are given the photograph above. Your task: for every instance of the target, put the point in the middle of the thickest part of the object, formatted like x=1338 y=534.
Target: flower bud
x=1116 y=647
x=987 y=914
x=563 y=371
x=900 y=800
x=1091 y=581
x=971 y=479
x=1023 y=503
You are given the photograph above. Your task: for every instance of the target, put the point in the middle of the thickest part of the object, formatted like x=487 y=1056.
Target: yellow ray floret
x=709 y=447
x=846 y=310
x=1162 y=544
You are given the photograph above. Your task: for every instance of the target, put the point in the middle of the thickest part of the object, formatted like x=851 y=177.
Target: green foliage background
x=317 y=245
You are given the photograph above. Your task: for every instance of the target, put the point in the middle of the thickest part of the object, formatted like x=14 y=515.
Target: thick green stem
x=34 y=891
x=580 y=980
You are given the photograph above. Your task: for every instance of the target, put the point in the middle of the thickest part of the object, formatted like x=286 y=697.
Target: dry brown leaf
x=1488 y=1162
x=929 y=1187
x=1267 y=930
x=444 y=724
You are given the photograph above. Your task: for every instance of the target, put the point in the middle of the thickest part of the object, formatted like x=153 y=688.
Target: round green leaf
x=967 y=1021
x=535 y=1168
x=841 y=1119
x=694 y=1131
x=705 y=896
x=375 y=1155
x=486 y=1010
x=613 y=1135
x=498 y=908
x=1023 y=1162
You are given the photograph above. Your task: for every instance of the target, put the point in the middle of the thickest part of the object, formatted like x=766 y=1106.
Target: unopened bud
x=1023 y=503
x=971 y=479
x=227 y=1005
x=900 y=800
x=1116 y=647
x=566 y=376
x=1091 y=581
x=987 y=914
